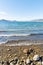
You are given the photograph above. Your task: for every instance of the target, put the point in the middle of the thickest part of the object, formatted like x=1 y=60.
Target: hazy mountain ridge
x=37 y=20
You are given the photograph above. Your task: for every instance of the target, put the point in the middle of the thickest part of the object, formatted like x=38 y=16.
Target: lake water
x=11 y=30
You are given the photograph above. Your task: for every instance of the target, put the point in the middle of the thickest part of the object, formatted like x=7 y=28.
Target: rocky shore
x=31 y=54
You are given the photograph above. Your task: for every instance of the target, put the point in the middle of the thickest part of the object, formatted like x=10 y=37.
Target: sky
x=21 y=9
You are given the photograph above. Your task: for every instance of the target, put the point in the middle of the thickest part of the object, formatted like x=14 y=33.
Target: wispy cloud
x=5 y=15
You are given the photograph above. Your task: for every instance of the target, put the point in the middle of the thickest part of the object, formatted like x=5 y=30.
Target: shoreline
x=22 y=42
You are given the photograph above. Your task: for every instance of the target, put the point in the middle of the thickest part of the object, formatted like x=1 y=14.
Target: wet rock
x=36 y=58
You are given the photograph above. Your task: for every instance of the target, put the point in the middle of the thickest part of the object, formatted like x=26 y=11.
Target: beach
x=16 y=48
x=21 y=41
x=18 y=45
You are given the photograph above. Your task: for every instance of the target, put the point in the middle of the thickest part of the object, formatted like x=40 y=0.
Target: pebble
x=25 y=50
x=11 y=63
x=30 y=50
x=8 y=49
x=28 y=61
x=32 y=64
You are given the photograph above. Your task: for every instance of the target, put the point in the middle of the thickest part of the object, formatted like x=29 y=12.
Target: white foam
x=14 y=34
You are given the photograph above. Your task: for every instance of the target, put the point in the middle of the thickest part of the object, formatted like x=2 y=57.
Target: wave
x=14 y=34
x=21 y=34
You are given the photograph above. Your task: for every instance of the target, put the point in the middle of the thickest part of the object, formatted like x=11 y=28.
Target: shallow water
x=13 y=30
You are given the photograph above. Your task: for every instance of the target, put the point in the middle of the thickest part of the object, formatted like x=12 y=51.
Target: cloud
x=5 y=15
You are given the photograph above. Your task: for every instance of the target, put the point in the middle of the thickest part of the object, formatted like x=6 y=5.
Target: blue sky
x=21 y=9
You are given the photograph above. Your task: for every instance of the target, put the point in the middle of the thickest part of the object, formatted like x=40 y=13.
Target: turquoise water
x=20 y=27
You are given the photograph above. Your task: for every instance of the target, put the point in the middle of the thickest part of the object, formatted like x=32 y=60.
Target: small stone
x=16 y=58
x=32 y=64
x=11 y=63
x=14 y=61
x=8 y=49
x=30 y=50
x=20 y=63
x=25 y=50
x=28 y=61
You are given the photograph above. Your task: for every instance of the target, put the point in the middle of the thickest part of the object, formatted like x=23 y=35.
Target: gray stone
x=36 y=57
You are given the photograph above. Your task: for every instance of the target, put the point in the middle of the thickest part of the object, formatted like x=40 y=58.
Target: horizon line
x=20 y=20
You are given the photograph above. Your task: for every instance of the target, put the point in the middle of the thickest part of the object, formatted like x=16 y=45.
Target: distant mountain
x=38 y=20
x=9 y=21
x=3 y=20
